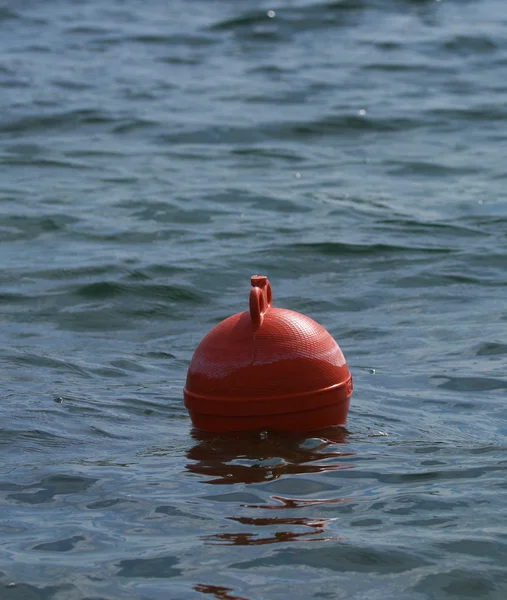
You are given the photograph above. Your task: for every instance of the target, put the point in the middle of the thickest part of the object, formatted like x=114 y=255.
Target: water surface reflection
x=254 y=459
x=316 y=528
x=217 y=591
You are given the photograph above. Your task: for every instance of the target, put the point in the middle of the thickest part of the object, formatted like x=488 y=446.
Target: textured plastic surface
x=267 y=369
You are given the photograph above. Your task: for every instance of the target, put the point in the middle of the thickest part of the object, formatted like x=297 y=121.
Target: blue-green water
x=153 y=156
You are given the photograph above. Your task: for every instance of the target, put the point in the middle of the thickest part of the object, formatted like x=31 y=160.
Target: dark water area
x=153 y=156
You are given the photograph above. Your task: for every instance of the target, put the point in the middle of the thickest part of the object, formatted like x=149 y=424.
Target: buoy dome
x=267 y=368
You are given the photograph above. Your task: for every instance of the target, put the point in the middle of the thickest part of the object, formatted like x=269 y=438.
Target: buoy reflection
x=256 y=458
x=218 y=591
x=316 y=528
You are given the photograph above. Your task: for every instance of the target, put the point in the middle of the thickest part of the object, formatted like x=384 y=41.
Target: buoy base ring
x=320 y=418
x=323 y=415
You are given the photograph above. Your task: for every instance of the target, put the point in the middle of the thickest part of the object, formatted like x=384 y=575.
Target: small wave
x=479 y=113
x=174 y=40
x=470 y=44
x=470 y=384
x=424 y=68
x=245 y=21
x=129 y=125
x=49 y=163
x=414 y=226
x=61 y=120
x=341 y=558
x=62 y=545
x=162 y=566
x=281 y=25
x=87 y=30
x=17 y=227
x=172 y=293
x=32 y=360
x=342 y=249
x=48 y=487
x=492 y=349
x=7 y=14
x=332 y=126
x=427 y=168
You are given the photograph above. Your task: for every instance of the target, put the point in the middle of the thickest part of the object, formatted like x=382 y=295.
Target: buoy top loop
x=261 y=299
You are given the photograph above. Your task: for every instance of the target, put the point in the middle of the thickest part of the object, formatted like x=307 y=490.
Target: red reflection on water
x=254 y=458
x=316 y=526
x=219 y=592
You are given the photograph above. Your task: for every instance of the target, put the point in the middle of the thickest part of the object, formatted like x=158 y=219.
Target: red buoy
x=267 y=369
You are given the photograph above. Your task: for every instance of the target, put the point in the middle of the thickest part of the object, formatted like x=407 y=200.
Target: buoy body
x=267 y=369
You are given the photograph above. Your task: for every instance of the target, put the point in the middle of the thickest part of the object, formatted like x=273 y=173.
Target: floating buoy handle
x=261 y=298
